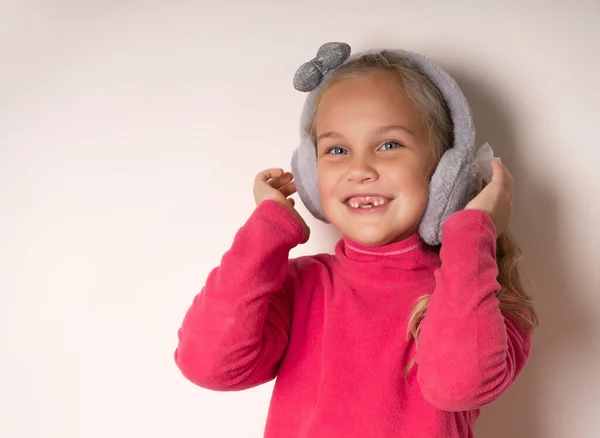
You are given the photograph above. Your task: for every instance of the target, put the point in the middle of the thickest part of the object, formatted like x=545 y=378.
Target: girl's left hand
x=496 y=199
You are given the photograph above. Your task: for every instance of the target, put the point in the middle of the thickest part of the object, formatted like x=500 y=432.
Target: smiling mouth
x=366 y=202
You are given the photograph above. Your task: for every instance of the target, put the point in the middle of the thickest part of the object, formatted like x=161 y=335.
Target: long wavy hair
x=515 y=301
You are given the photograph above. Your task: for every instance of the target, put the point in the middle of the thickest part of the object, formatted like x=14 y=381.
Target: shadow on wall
x=536 y=225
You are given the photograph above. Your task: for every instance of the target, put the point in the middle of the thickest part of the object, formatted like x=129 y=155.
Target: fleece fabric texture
x=332 y=329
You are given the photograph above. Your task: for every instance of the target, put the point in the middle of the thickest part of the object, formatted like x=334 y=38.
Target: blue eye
x=390 y=145
x=337 y=151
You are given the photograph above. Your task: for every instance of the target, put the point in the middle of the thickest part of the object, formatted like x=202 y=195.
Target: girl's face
x=374 y=159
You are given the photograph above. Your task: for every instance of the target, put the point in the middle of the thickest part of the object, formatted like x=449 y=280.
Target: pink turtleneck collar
x=386 y=264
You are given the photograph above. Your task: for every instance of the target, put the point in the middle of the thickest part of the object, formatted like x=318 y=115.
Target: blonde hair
x=514 y=301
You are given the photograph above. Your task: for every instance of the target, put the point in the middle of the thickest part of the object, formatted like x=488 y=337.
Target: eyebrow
x=384 y=129
x=380 y=130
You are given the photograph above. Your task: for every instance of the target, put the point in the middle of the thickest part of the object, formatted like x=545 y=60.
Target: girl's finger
x=266 y=175
x=292 y=202
x=288 y=189
x=281 y=180
x=501 y=175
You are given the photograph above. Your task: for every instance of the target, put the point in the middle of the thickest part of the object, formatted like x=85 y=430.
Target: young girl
x=419 y=319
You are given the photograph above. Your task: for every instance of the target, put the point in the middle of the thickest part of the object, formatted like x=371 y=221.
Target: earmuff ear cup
x=452 y=186
x=304 y=169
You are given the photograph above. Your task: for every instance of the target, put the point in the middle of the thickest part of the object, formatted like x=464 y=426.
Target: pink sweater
x=332 y=329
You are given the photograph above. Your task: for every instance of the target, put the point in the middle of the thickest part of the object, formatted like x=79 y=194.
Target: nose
x=362 y=170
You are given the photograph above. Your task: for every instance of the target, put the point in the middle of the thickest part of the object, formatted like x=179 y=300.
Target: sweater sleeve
x=468 y=353
x=235 y=333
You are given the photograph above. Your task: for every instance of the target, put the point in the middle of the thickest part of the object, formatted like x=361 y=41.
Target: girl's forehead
x=379 y=97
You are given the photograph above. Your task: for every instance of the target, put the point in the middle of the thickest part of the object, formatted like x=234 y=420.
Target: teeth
x=366 y=201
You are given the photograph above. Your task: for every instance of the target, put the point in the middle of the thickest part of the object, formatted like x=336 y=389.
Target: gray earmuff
x=456 y=177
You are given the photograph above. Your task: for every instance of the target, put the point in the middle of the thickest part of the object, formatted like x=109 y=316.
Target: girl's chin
x=374 y=229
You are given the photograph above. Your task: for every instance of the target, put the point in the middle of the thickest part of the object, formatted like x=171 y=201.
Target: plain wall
x=130 y=134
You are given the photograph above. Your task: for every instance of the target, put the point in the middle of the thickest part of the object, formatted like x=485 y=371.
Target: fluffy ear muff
x=452 y=186
x=304 y=169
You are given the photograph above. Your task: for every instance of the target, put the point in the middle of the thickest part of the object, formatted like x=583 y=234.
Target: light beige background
x=130 y=133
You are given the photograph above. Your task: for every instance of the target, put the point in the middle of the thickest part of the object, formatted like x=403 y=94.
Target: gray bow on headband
x=329 y=56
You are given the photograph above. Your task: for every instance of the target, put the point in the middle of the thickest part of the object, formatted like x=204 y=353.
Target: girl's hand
x=277 y=185
x=496 y=199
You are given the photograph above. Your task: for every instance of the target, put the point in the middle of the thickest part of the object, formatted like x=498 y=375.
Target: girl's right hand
x=277 y=185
